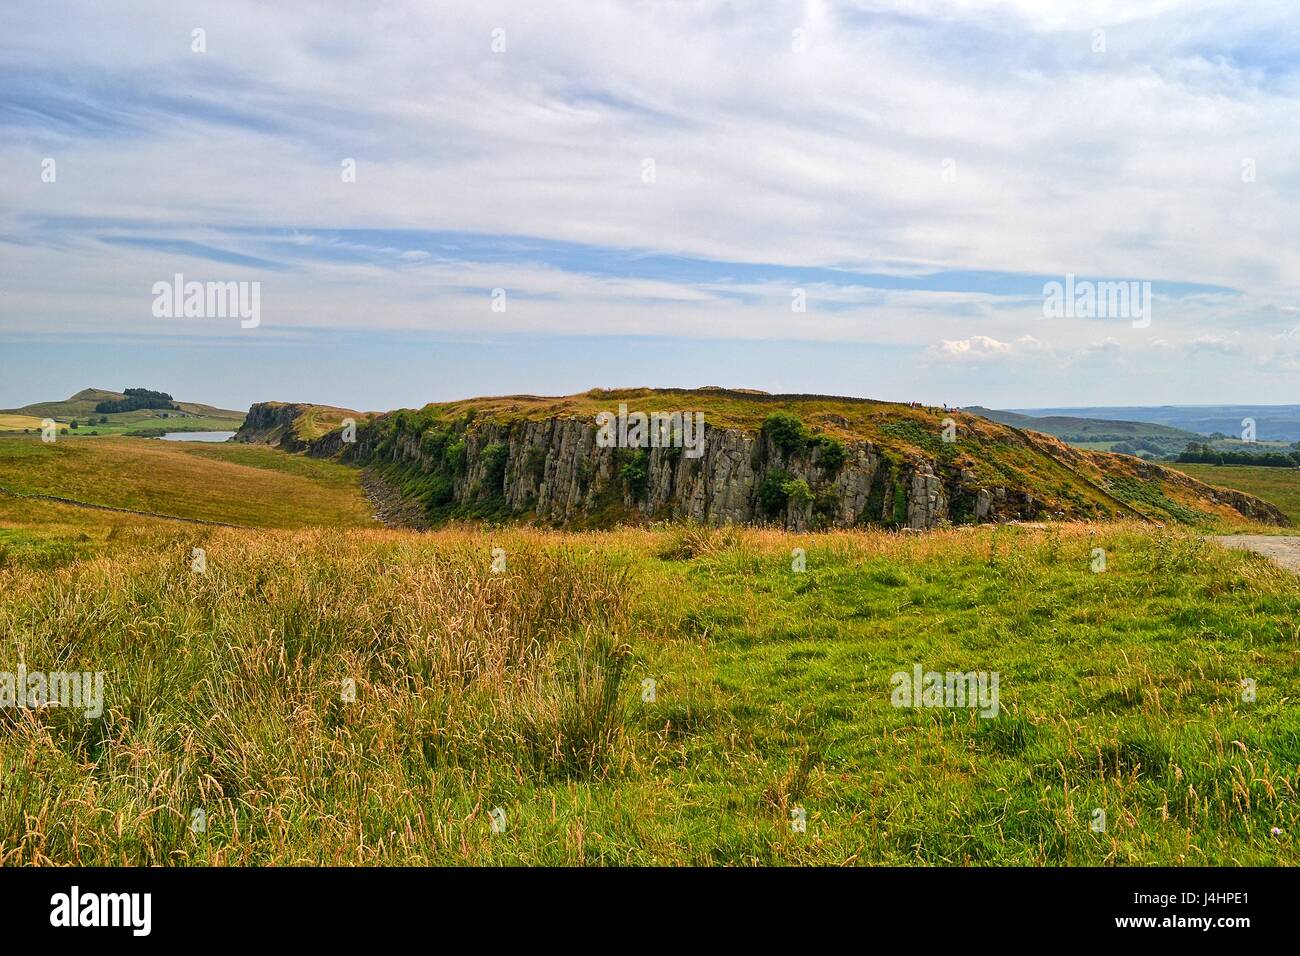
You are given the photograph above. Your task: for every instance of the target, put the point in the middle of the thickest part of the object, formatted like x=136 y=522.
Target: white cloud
x=975 y=348
x=1122 y=164
x=1226 y=345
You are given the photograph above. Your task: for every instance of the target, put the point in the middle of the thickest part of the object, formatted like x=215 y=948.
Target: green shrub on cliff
x=535 y=463
x=635 y=473
x=778 y=489
x=832 y=452
x=495 y=457
x=900 y=505
x=797 y=490
x=771 y=493
x=454 y=456
x=439 y=491
x=786 y=432
x=434 y=444
x=825 y=507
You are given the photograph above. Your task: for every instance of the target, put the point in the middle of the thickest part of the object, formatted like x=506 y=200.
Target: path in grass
x=129 y=511
x=1284 y=549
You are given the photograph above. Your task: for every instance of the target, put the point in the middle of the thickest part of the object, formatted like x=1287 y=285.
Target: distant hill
x=1075 y=429
x=800 y=461
x=1279 y=423
x=83 y=405
x=187 y=416
x=1130 y=436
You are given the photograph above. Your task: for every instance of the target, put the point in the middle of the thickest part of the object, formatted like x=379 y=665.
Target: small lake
x=198 y=436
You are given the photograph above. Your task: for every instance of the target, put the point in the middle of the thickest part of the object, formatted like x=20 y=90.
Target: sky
x=438 y=201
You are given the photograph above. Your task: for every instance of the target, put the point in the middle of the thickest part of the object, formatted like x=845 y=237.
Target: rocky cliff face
x=271 y=423
x=552 y=468
x=555 y=471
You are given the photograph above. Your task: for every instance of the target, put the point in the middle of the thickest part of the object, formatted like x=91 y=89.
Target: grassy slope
x=321 y=419
x=236 y=484
x=1281 y=486
x=41 y=535
x=78 y=406
x=522 y=690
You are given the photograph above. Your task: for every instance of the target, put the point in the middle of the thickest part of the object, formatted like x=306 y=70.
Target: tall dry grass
x=225 y=692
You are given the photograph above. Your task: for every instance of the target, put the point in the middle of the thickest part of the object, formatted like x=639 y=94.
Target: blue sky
x=652 y=186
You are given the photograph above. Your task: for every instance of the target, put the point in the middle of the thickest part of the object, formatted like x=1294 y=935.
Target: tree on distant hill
x=1206 y=454
x=135 y=399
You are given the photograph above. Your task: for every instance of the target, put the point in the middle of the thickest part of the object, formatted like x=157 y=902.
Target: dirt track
x=126 y=511
x=1284 y=549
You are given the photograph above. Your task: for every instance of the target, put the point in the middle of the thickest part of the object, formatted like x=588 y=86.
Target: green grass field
x=127 y=423
x=1280 y=486
x=523 y=689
